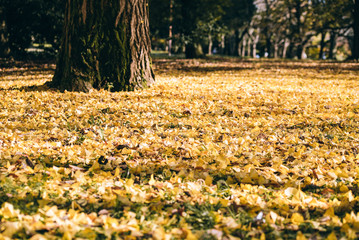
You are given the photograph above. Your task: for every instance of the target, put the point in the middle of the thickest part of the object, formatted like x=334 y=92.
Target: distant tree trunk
x=268 y=42
x=210 y=44
x=106 y=44
x=223 y=44
x=232 y=45
x=240 y=49
x=227 y=47
x=332 y=44
x=299 y=51
x=291 y=47
x=244 y=44
x=237 y=43
x=4 y=41
x=322 y=45
x=304 y=54
x=355 y=53
x=170 y=30
x=276 y=49
x=285 y=48
x=193 y=50
x=276 y=46
x=254 y=47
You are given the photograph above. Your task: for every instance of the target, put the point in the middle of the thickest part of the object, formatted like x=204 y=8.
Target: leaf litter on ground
x=216 y=149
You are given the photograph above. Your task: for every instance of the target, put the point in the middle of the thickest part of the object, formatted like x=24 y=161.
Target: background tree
x=105 y=45
x=237 y=18
x=4 y=39
x=26 y=22
x=159 y=18
x=355 y=51
x=270 y=28
x=331 y=17
x=192 y=17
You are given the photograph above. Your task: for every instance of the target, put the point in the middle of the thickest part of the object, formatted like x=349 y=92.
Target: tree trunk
x=244 y=44
x=4 y=41
x=193 y=50
x=268 y=45
x=210 y=44
x=239 y=50
x=249 y=47
x=227 y=45
x=170 y=28
x=276 y=49
x=223 y=44
x=285 y=48
x=322 y=45
x=105 y=44
x=355 y=53
x=290 y=49
x=332 y=44
x=255 y=42
x=232 y=45
x=299 y=51
x=237 y=43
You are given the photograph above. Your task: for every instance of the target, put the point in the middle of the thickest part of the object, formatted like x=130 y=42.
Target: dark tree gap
x=355 y=54
x=105 y=44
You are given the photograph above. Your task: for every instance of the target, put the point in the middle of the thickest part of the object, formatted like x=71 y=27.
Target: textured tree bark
x=105 y=44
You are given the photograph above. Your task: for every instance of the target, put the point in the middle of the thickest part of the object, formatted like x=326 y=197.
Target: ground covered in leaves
x=216 y=149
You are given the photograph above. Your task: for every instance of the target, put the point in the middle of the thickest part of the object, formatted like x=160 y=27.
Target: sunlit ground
x=216 y=149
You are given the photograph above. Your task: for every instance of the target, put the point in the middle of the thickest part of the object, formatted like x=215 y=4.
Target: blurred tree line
x=247 y=28
x=319 y=29
x=24 y=23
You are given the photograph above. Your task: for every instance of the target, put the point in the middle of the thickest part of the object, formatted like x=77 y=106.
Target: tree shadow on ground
x=11 y=75
x=215 y=64
x=23 y=71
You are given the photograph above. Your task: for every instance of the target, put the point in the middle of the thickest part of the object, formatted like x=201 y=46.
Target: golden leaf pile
x=216 y=149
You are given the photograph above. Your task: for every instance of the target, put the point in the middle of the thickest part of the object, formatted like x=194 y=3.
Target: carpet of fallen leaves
x=216 y=149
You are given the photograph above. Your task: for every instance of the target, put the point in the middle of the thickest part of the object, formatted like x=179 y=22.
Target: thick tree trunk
x=106 y=44
x=355 y=53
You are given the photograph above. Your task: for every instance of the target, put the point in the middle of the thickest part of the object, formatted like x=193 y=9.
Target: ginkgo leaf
x=201 y=154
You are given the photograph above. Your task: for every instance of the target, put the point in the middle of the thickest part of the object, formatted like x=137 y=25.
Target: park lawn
x=216 y=149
